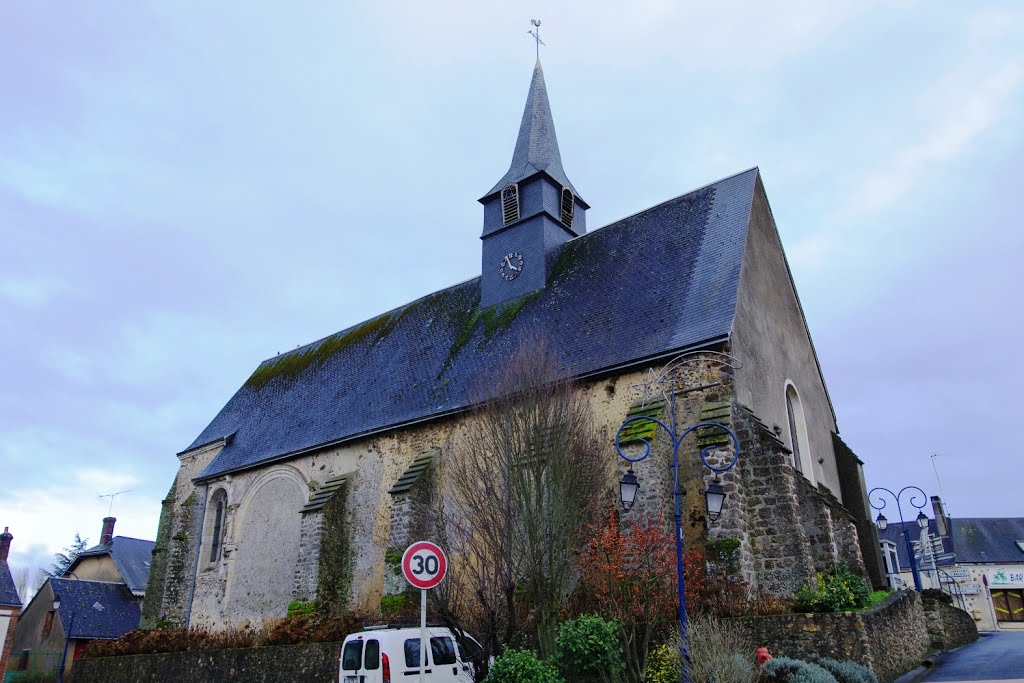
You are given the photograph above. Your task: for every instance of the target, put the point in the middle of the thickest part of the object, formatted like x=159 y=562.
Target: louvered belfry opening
x=510 y=203
x=567 y=206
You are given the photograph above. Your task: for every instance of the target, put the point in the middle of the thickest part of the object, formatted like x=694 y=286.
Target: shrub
x=279 y=631
x=837 y=591
x=879 y=596
x=300 y=608
x=522 y=666
x=718 y=654
x=786 y=670
x=846 y=672
x=588 y=648
x=662 y=665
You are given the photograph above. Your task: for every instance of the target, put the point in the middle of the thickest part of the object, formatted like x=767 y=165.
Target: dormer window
x=568 y=202
x=510 y=204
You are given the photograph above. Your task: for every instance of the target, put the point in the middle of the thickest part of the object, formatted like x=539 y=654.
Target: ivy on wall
x=158 y=565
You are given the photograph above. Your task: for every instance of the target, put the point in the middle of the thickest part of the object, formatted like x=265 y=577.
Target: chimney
x=108 y=530
x=5 y=544
x=941 y=520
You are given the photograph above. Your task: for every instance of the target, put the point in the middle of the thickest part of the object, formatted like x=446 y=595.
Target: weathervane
x=535 y=32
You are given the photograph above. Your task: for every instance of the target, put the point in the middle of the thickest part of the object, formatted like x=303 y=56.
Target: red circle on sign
x=424 y=565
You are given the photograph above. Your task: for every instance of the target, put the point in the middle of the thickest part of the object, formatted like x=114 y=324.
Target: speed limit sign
x=424 y=565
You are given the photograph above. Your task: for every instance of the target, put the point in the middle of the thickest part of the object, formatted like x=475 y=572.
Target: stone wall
x=317 y=663
x=891 y=638
x=948 y=627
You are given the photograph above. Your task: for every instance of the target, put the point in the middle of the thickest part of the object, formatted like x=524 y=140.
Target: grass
x=877 y=597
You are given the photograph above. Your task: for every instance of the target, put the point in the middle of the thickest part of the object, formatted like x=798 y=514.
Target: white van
x=392 y=655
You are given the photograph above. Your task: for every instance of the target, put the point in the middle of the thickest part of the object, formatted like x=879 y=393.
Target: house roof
x=100 y=610
x=8 y=591
x=536 y=145
x=657 y=282
x=131 y=556
x=972 y=540
x=988 y=539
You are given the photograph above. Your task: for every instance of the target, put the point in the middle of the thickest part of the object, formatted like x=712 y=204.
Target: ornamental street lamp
x=714 y=498
x=922 y=520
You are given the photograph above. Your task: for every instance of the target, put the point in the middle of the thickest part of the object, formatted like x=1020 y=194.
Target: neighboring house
x=980 y=559
x=361 y=415
x=100 y=597
x=10 y=602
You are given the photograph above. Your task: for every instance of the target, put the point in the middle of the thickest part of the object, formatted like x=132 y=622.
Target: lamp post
x=922 y=520
x=714 y=499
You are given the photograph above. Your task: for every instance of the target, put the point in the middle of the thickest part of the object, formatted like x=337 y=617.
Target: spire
x=536 y=146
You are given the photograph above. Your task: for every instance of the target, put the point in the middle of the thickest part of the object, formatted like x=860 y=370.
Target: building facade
x=322 y=462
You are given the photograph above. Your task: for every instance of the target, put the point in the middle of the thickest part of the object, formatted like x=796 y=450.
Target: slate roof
x=654 y=283
x=536 y=146
x=131 y=556
x=101 y=610
x=8 y=592
x=988 y=539
x=972 y=540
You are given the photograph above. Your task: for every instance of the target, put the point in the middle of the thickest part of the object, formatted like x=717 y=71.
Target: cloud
x=31 y=291
x=966 y=105
x=50 y=515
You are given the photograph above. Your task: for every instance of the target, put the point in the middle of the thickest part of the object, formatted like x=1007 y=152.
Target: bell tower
x=531 y=211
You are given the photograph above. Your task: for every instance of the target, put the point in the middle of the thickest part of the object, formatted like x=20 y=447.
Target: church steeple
x=532 y=210
x=537 y=145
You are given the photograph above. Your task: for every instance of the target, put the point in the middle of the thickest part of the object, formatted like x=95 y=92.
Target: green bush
x=837 y=591
x=662 y=665
x=522 y=666
x=301 y=609
x=588 y=648
x=846 y=672
x=786 y=670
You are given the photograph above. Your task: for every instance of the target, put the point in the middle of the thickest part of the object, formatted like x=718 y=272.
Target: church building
x=316 y=472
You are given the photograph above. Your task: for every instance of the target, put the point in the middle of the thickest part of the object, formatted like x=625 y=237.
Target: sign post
x=424 y=566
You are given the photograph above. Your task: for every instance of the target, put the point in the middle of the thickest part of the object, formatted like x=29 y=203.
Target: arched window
x=798 y=433
x=568 y=201
x=218 y=507
x=510 y=204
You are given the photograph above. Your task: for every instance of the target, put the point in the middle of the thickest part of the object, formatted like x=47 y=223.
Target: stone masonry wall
x=948 y=627
x=310 y=535
x=316 y=663
x=890 y=638
x=783 y=560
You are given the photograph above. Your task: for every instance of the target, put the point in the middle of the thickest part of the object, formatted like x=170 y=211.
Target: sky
x=189 y=188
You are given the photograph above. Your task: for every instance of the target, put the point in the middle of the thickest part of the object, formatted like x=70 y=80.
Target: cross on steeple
x=535 y=32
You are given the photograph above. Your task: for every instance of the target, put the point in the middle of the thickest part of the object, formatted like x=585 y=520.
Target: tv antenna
x=111 y=496
x=535 y=32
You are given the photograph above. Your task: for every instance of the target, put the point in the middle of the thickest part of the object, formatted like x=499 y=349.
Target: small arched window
x=219 y=503
x=798 y=432
x=510 y=204
x=568 y=202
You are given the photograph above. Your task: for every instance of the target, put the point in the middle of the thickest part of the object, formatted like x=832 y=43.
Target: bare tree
x=27 y=581
x=522 y=477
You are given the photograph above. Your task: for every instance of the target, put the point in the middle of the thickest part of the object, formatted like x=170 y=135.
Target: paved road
x=995 y=657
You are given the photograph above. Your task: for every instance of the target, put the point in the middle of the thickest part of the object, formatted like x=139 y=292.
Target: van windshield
x=352 y=655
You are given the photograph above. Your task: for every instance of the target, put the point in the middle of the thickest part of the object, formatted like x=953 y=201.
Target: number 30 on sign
x=424 y=565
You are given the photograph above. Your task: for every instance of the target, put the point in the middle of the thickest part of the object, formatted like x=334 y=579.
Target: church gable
x=659 y=281
x=783 y=382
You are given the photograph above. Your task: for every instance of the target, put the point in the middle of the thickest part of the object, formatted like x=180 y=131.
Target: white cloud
x=32 y=292
x=70 y=503
x=965 y=105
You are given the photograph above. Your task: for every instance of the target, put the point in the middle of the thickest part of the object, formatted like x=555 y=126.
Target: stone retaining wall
x=949 y=627
x=891 y=638
x=317 y=663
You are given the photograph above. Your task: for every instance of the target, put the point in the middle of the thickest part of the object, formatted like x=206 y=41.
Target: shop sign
x=1006 y=578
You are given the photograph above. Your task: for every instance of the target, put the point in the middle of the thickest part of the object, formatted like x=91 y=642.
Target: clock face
x=511 y=266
